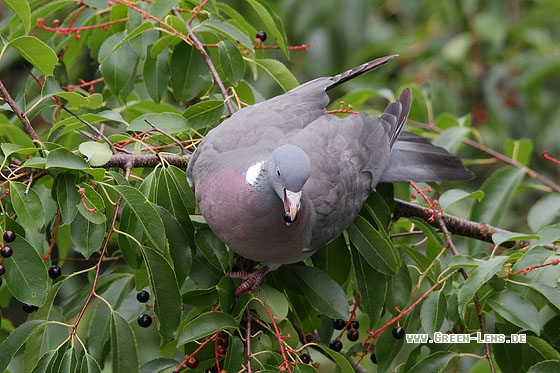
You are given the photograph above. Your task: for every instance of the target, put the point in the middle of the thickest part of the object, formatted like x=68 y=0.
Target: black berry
x=143 y=296
x=338 y=324
x=212 y=369
x=55 y=272
x=192 y=362
x=335 y=345
x=355 y=324
x=398 y=332
x=29 y=308
x=6 y=251
x=144 y=320
x=2 y=269
x=353 y=335
x=261 y=36
x=373 y=358
x=305 y=358
x=9 y=236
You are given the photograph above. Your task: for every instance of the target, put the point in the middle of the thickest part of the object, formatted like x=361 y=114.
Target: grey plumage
x=243 y=199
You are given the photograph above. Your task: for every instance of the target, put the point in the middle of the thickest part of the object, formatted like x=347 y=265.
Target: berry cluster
x=144 y=320
x=6 y=251
x=352 y=332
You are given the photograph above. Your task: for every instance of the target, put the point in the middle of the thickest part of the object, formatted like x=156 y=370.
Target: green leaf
x=168 y=122
x=279 y=72
x=213 y=249
x=87 y=237
x=451 y=138
x=272 y=23
x=231 y=61
x=35 y=52
x=206 y=324
x=229 y=31
x=22 y=10
x=515 y=309
x=156 y=75
x=51 y=88
x=433 y=312
x=89 y=365
x=519 y=150
x=165 y=292
x=274 y=300
x=477 y=278
x=372 y=287
x=335 y=260
x=27 y=205
x=543 y=348
x=62 y=158
x=547 y=366
x=124 y=355
x=499 y=189
x=435 y=362
x=96 y=153
x=118 y=66
x=66 y=194
x=148 y=218
x=374 y=247
x=544 y=211
x=94 y=203
x=451 y=196
x=205 y=114
x=26 y=274
x=321 y=291
x=16 y=339
x=187 y=72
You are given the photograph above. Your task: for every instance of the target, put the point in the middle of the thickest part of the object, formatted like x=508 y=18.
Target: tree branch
x=19 y=113
x=128 y=161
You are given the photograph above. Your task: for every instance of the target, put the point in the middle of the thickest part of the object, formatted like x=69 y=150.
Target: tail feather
x=413 y=158
x=364 y=68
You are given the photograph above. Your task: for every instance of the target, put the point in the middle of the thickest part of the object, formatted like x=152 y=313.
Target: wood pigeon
x=280 y=179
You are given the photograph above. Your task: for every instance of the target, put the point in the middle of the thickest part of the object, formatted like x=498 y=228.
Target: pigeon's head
x=288 y=170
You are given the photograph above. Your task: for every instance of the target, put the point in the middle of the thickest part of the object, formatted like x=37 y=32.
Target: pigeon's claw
x=251 y=280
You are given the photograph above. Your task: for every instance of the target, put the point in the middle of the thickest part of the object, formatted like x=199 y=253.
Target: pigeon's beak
x=292 y=203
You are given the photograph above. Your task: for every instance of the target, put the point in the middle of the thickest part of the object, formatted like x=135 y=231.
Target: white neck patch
x=253 y=173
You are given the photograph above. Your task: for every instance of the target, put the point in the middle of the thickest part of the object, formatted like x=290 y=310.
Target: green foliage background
x=485 y=77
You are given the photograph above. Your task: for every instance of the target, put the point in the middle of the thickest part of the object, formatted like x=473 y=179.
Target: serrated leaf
x=36 y=53
x=16 y=339
x=516 y=310
x=123 y=345
x=27 y=205
x=279 y=72
x=433 y=312
x=96 y=153
x=148 y=218
x=477 y=278
x=165 y=292
x=26 y=274
x=323 y=293
x=205 y=114
x=206 y=324
x=543 y=348
x=376 y=249
x=62 y=158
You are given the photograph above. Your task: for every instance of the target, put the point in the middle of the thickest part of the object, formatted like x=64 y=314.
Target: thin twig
x=183 y=150
x=248 y=338
x=441 y=222
x=200 y=47
x=23 y=119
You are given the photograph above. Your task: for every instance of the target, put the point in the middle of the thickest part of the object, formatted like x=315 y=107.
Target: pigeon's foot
x=251 y=280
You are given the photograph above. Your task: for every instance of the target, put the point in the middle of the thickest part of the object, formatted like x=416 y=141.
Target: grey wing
x=348 y=157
